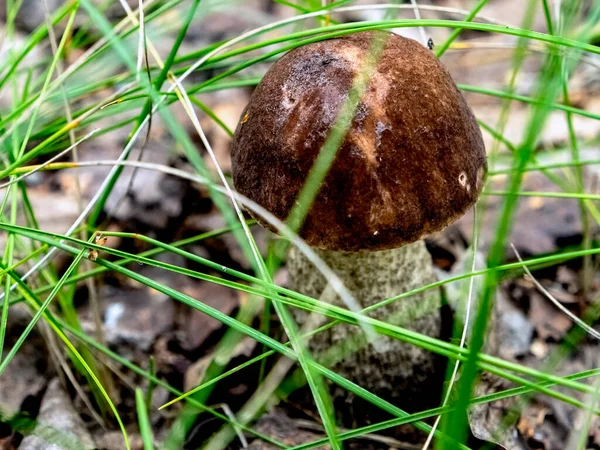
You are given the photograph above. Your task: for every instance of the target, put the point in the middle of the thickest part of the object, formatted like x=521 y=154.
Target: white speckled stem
x=396 y=371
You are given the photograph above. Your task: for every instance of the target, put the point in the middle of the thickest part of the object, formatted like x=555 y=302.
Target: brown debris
x=549 y=321
x=194 y=325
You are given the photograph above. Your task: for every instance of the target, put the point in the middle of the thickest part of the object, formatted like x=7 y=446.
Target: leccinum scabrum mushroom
x=412 y=162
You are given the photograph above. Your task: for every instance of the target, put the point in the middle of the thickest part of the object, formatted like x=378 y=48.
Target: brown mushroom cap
x=412 y=162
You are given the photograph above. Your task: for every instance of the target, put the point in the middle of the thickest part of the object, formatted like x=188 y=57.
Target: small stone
x=58 y=424
x=136 y=316
x=515 y=334
x=539 y=349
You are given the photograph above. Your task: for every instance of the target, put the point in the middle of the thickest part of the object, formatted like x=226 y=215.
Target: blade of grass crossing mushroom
x=265 y=391
x=304 y=302
x=451 y=24
x=208 y=383
x=508 y=393
x=281 y=227
x=402 y=296
x=465 y=324
x=328 y=152
x=548 y=88
x=317 y=387
x=343 y=382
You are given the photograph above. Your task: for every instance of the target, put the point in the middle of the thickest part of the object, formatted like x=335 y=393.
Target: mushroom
x=412 y=162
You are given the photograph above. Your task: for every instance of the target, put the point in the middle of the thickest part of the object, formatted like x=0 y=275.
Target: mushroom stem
x=395 y=370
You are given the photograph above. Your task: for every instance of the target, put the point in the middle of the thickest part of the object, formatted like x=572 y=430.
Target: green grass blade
x=35 y=303
x=143 y=420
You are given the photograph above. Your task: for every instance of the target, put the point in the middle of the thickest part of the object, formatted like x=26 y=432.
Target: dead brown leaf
x=196 y=326
x=549 y=321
